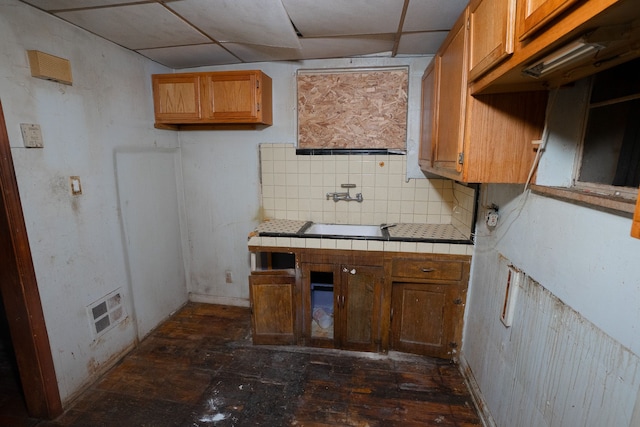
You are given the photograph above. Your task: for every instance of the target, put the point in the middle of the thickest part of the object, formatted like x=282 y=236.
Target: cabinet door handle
x=428 y=270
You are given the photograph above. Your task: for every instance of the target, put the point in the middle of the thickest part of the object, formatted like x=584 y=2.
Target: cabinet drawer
x=427 y=269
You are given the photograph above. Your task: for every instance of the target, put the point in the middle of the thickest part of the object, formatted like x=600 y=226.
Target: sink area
x=352 y=230
x=398 y=232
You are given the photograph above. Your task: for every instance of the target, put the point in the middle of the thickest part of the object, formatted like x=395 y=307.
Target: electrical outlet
x=492 y=218
x=228 y=277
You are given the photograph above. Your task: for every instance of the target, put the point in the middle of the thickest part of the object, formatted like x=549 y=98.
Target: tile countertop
x=421 y=238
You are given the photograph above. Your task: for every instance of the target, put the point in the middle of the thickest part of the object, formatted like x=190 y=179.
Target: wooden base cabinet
x=273 y=291
x=273 y=309
x=342 y=303
x=362 y=301
x=427 y=304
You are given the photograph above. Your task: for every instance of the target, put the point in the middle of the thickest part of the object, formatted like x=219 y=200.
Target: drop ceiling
x=194 y=33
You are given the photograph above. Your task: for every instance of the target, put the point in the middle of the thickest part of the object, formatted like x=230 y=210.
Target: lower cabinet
x=273 y=309
x=360 y=301
x=341 y=305
x=428 y=295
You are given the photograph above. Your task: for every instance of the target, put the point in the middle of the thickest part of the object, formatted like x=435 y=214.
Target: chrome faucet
x=345 y=196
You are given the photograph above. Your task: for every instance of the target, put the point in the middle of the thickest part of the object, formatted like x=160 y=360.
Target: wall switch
x=228 y=277
x=76 y=187
x=31 y=135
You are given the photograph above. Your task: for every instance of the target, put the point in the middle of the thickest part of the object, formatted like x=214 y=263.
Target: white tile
x=458 y=249
x=359 y=245
x=423 y=247
x=313 y=243
x=392 y=246
x=298 y=242
x=328 y=243
x=283 y=241
x=375 y=245
x=441 y=248
x=344 y=244
x=268 y=241
x=408 y=247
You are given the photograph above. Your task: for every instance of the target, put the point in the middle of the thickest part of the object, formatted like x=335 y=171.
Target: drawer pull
x=428 y=270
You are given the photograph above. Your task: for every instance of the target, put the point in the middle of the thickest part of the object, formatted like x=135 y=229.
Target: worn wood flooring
x=199 y=368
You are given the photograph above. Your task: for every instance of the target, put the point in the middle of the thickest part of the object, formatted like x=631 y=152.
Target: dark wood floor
x=200 y=369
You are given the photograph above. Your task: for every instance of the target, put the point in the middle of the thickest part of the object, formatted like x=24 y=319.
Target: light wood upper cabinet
x=238 y=97
x=450 y=88
x=215 y=98
x=176 y=98
x=543 y=27
x=491 y=34
x=536 y=13
x=485 y=138
x=427 y=104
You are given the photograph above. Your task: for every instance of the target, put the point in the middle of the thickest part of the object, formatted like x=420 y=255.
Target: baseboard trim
x=210 y=299
x=476 y=394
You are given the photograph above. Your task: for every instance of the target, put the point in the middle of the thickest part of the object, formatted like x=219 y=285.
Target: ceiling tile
x=255 y=53
x=258 y=22
x=315 y=18
x=72 y=4
x=421 y=43
x=190 y=56
x=425 y=15
x=337 y=47
x=141 y=26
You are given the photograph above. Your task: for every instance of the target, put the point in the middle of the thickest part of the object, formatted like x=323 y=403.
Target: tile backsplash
x=295 y=187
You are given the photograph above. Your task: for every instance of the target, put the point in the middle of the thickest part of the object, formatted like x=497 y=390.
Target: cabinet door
x=233 y=97
x=176 y=98
x=635 y=224
x=451 y=86
x=320 y=284
x=359 y=307
x=536 y=13
x=491 y=34
x=273 y=309
x=423 y=319
x=428 y=104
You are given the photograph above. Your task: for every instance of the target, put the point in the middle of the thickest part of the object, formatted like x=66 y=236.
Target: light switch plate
x=31 y=135
x=76 y=187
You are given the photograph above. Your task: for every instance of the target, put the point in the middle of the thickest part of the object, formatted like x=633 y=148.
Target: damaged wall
x=571 y=356
x=77 y=241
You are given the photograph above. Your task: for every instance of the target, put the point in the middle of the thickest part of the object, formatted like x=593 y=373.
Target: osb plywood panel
x=354 y=109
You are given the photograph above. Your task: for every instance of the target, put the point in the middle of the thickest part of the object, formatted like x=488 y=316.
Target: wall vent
x=105 y=313
x=49 y=67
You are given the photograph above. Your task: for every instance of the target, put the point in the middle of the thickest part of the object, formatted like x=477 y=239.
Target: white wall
x=222 y=181
x=76 y=242
x=586 y=285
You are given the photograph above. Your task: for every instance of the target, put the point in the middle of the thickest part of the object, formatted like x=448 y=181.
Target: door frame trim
x=22 y=299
